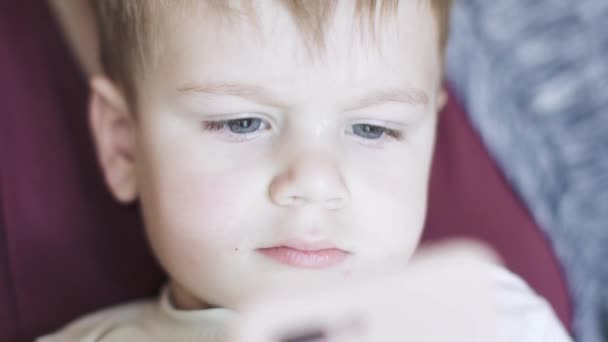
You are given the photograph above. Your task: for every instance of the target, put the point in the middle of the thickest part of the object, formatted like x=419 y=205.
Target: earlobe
x=113 y=130
x=442 y=99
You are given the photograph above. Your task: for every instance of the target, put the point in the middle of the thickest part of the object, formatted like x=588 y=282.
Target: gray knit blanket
x=533 y=75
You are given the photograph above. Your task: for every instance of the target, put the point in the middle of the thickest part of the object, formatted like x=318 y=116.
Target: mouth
x=312 y=256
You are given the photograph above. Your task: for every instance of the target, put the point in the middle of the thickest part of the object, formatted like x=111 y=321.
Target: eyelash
x=395 y=134
x=220 y=125
x=223 y=126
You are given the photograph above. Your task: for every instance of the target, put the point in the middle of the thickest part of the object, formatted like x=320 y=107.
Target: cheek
x=390 y=212
x=186 y=188
x=395 y=185
x=193 y=214
x=203 y=206
x=389 y=203
x=196 y=224
x=195 y=200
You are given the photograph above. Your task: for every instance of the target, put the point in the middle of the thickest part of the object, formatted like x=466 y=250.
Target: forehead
x=263 y=45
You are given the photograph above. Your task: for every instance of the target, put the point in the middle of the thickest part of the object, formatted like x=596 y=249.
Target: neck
x=182 y=299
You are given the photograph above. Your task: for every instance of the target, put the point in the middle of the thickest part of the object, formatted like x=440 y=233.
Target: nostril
x=295 y=200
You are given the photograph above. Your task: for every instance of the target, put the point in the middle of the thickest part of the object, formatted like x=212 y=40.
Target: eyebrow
x=406 y=95
x=251 y=92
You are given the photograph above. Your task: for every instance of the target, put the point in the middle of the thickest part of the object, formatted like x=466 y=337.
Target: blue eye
x=244 y=126
x=236 y=126
x=369 y=131
x=373 y=132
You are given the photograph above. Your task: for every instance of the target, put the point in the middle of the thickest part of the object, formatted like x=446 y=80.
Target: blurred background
x=533 y=76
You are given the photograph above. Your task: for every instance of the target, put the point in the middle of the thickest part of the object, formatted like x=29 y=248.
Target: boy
x=270 y=143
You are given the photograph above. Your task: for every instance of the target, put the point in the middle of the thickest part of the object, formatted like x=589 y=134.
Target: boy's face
x=259 y=166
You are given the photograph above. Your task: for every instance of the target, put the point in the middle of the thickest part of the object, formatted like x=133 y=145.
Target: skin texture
x=310 y=173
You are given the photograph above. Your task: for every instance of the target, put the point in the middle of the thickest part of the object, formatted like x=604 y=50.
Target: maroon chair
x=66 y=248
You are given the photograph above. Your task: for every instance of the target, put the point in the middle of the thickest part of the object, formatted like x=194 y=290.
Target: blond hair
x=127 y=26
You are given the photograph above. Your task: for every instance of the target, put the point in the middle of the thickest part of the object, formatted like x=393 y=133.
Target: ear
x=442 y=98
x=113 y=128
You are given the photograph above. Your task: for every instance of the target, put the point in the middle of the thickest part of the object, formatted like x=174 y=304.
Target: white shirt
x=147 y=320
x=523 y=316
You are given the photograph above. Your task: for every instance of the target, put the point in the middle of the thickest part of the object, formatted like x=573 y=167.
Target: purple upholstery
x=66 y=248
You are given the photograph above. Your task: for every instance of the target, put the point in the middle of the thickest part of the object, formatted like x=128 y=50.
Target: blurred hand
x=443 y=295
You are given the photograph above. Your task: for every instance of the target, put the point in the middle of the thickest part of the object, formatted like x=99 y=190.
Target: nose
x=310 y=180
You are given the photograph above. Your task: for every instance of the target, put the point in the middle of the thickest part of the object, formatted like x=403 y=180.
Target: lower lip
x=305 y=259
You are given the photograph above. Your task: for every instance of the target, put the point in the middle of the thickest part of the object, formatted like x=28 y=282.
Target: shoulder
x=523 y=315
x=96 y=326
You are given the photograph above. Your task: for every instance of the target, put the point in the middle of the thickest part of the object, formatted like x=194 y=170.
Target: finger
x=469 y=249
